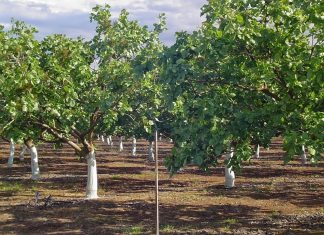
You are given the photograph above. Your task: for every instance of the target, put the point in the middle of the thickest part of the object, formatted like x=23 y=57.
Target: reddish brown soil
x=269 y=197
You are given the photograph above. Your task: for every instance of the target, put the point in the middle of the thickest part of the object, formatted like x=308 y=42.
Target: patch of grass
x=274 y=214
x=224 y=229
x=114 y=177
x=8 y=187
x=321 y=210
x=167 y=228
x=230 y=221
x=16 y=187
x=195 y=182
x=134 y=230
x=227 y=224
x=312 y=186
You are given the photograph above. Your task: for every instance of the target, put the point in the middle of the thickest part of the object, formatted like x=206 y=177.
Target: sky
x=71 y=17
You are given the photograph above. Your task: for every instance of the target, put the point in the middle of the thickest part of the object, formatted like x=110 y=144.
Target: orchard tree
x=253 y=70
x=63 y=99
x=129 y=51
x=19 y=72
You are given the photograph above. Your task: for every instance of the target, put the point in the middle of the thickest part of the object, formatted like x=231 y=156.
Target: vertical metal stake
x=157 y=183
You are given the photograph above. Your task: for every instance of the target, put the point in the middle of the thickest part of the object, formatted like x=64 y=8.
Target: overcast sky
x=71 y=17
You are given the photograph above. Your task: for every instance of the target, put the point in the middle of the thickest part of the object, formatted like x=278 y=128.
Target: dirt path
x=269 y=197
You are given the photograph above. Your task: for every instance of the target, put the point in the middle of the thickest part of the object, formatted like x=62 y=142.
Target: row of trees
x=252 y=71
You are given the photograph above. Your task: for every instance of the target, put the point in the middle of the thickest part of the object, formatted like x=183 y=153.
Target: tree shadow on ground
x=301 y=194
x=104 y=217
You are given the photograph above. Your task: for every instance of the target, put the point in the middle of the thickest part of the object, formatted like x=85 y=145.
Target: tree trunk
x=229 y=173
x=98 y=137
x=257 y=151
x=34 y=163
x=92 y=180
x=22 y=153
x=171 y=140
x=11 y=153
x=110 y=139
x=134 y=147
x=303 y=155
x=102 y=139
x=121 y=146
x=151 y=152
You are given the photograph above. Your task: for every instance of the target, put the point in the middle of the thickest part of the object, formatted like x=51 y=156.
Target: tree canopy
x=253 y=70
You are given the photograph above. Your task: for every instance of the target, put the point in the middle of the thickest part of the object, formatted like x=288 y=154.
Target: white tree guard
x=229 y=173
x=257 y=151
x=11 y=153
x=303 y=155
x=151 y=151
x=134 y=147
x=121 y=146
x=22 y=153
x=34 y=163
x=92 y=179
x=111 y=142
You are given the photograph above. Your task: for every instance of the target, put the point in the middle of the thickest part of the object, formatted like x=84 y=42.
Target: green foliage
x=128 y=63
x=251 y=72
x=69 y=89
x=254 y=70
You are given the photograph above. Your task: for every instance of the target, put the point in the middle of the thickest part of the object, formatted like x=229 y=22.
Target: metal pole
x=157 y=183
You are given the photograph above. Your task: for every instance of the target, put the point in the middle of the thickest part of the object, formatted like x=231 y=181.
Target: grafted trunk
x=92 y=180
x=121 y=146
x=303 y=155
x=134 y=147
x=257 y=151
x=229 y=173
x=22 y=153
x=34 y=163
x=151 y=151
x=11 y=153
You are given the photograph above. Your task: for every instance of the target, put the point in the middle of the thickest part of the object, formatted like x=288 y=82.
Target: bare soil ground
x=269 y=197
